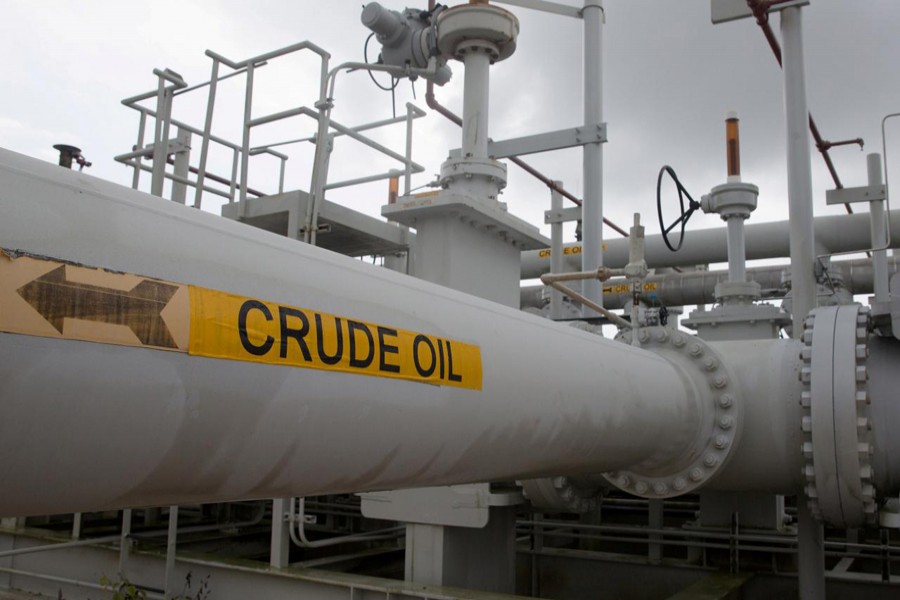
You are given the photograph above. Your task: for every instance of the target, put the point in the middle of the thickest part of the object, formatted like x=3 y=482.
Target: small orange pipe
x=393 y=189
x=733 y=144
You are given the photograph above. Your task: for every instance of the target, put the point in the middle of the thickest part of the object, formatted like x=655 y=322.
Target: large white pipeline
x=86 y=425
x=92 y=426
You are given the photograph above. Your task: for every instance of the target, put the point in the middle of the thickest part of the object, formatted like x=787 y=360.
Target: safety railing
x=234 y=186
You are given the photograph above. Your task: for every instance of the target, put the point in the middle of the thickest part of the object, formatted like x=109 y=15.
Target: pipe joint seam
x=837 y=434
x=703 y=452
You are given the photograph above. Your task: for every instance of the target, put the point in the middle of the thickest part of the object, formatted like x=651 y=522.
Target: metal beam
x=545 y=6
x=545 y=142
x=722 y=11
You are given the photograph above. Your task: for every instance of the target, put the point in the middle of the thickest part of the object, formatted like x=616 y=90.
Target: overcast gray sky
x=670 y=76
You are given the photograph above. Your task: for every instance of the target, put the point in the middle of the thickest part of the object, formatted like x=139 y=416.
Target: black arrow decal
x=56 y=299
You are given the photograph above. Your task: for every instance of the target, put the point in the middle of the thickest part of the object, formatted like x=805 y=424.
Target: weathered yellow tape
x=567 y=251
x=51 y=298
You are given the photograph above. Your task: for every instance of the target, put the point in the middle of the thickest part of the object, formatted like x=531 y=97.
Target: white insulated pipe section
x=592 y=207
x=884 y=412
x=767 y=458
x=737 y=264
x=878 y=230
x=89 y=426
x=476 y=104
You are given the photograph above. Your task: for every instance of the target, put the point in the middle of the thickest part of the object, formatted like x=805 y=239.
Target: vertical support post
x=592 y=215
x=281 y=175
x=537 y=544
x=319 y=172
x=655 y=521
x=407 y=175
x=245 y=143
x=182 y=165
x=279 y=554
x=482 y=559
x=811 y=563
x=234 y=173
x=476 y=103
x=878 y=225
x=76 y=526
x=803 y=285
x=125 y=543
x=142 y=128
x=424 y=553
x=7 y=543
x=171 y=542
x=317 y=185
x=556 y=251
x=737 y=266
x=321 y=177
x=161 y=138
x=207 y=131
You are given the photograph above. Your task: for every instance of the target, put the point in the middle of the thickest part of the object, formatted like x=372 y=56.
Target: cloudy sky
x=670 y=76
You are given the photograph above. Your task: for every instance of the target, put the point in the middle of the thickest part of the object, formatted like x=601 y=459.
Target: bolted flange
x=720 y=409
x=477 y=27
x=837 y=439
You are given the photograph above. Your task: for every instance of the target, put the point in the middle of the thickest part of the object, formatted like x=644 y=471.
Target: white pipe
x=879 y=231
x=592 y=209
x=885 y=411
x=245 y=139
x=737 y=265
x=161 y=138
x=767 y=459
x=835 y=233
x=298 y=535
x=556 y=257
x=59 y=546
x=799 y=173
x=476 y=102
x=803 y=283
x=698 y=287
x=171 y=546
x=116 y=426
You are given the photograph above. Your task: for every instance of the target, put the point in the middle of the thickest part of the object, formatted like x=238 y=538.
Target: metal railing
x=236 y=183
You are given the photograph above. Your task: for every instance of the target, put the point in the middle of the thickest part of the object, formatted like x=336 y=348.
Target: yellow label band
x=625 y=288
x=45 y=297
x=567 y=251
x=239 y=328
